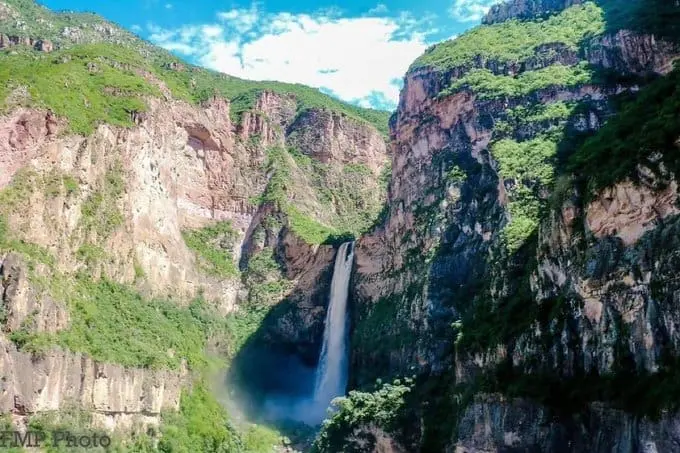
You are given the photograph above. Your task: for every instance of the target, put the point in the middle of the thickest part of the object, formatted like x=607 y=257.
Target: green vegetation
x=643 y=394
x=201 y=425
x=30 y=250
x=343 y=201
x=490 y=86
x=214 y=245
x=264 y=279
x=38 y=21
x=660 y=18
x=644 y=132
x=385 y=324
x=529 y=164
x=280 y=179
x=308 y=229
x=456 y=175
x=358 y=169
x=112 y=323
x=267 y=286
x=515 y=41
x=260 y=439
x=57 y=184
x=3 y=230
x=27 y=181
x=380 y=408
x=488 y=321
x=94 y=83
x=76 y=422
x=86 y=96
x=139 y=270
x=529 y=161
x=197 y=85
x=100 y=212
x=91 y=254
x=547 y=119
x=34 y=252
x=71 y=185
x=282 y=165
x=554 y=111
x=243 y=324
x=124 y=64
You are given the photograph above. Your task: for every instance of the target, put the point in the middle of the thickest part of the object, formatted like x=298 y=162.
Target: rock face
x=626 y=51
x=56 y=380
x=525 y=9
x=588 y=294
x=332 y=137
x=118 y=398
x=491 y=424
x=181 y=167
x=37 y=44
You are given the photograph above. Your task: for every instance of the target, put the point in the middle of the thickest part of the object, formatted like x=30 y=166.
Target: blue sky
x=357 y=51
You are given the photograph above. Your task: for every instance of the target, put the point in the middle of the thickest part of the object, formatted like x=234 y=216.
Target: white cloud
x=471 y=10
x=359 y=59
x=168 y=6
x=380 y=8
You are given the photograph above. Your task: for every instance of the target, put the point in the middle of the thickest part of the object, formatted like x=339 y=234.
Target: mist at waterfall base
x=295 y=391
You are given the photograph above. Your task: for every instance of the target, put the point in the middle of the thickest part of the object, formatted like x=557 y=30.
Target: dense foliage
x=489 y=86
x=660 y=18
x=201 y=425
x=132 y=58
x=379 y=409
x=113 y=323
x=515 y=41
x=102 y=73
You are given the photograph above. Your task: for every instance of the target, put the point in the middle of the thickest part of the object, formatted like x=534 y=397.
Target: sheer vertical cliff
x=524 y=274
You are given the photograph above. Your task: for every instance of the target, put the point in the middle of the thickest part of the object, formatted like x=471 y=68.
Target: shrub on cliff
x=359 y=413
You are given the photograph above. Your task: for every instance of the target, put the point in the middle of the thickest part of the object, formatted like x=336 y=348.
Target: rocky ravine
x=438 y=291
x=181 y=167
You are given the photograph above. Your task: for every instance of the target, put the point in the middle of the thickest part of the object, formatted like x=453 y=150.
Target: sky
x=355 y=50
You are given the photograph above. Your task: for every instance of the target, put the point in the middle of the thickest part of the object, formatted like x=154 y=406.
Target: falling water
x=331 y=376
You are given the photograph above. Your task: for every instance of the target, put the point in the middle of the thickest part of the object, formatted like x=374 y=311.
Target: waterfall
x=331 y=375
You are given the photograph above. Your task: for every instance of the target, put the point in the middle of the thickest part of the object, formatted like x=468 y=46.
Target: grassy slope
x=514 y=41
x=192 y=84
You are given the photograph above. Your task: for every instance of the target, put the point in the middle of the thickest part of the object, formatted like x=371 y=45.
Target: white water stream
x=330 y=379
x=331 y=375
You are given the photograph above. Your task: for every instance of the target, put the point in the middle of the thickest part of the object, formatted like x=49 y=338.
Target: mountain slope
x=25 y=23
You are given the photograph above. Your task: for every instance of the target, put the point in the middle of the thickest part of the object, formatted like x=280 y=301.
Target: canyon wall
x=170 y=202
x=532 y=301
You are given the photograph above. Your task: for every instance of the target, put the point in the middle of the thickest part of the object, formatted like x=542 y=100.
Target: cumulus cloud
x=359 y=59
x=380 y=8
x=471 y=10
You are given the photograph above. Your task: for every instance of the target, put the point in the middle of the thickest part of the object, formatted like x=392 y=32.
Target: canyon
x=168 y=240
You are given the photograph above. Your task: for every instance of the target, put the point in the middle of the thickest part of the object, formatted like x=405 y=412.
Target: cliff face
x=523 y=292
x=117 y=397
x=181 y=169
x=192 y=217
x=525 y=9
